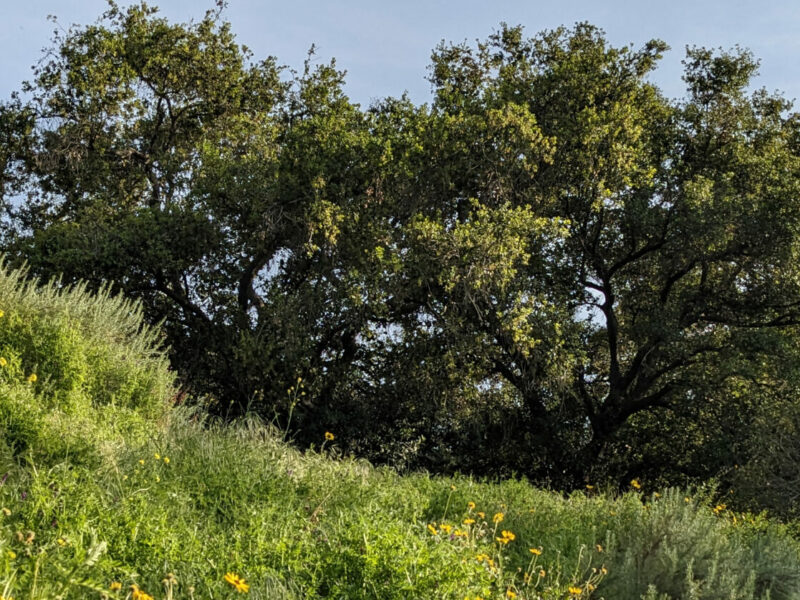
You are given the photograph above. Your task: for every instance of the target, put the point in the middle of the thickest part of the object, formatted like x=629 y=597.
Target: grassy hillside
x=108 y=492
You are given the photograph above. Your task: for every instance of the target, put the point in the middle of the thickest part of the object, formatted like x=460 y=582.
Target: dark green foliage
x=550 y=270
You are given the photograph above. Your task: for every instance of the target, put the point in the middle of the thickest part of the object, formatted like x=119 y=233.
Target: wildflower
x=32 y=378
x=603 y=570
x=157 y=456
x=542 y=573
x=599 y=547
x=498 y=517
x=6 y=511
x=138 y=594
x=656 y=495
x=536 y=551
x=3 y=362
x=166 y=460
x=469 y=521
x=432 y=529
x=635 y=484
x=61 y=542
x=2 y=314
x=11 y=554
x=158 y=479
x=575 y=591
x=589 y=487
x=687 y=499
x=459 y=533
x=237 y=582
x=446 y=528
x=510 y=593
x=115 y=586
x=141 y=461
x=471 y=505
x=452 y=487
x=482 y=515
x=507 y=537
x=329 y=436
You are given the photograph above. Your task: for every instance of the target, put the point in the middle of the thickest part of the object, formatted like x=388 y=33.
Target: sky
x=385 y=45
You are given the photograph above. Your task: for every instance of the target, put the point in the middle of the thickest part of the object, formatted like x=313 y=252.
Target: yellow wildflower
x=6 y=511
x=575 y=591
x=61 y=542
x=237 y=582
x=11 y=554
x=481 y=514
x=604 y=571
x=589 y=487
x=510 y=593
x=542 y=573
x=329 y=436
x=32 y=378
x=2 y=314
x=498 y=517
x=166 y=460
x=536 y=551
x=138 y=594
x=471 y=505
x=157 y=456
x=599 y=547
x=446 y=528
x=469 y=521
x=141 y=461
x=635 y=484
x=432 y=529
x=3 y=362
x=115 y=586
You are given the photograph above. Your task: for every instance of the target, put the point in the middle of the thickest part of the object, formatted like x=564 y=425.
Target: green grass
x=103 y=483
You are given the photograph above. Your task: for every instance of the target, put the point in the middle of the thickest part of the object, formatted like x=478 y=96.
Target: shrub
x=76 y=369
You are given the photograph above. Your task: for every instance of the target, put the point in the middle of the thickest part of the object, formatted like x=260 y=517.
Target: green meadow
x=113 y=489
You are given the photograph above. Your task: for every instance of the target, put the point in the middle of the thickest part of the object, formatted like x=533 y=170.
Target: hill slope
x=107 y=492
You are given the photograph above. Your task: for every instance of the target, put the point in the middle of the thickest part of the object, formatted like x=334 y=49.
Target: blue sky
x=385 y=46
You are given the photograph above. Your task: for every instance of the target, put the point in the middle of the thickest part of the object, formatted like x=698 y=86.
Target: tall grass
x=104 y=489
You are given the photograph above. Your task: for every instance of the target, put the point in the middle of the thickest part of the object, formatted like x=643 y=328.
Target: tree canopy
x=551 y=269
